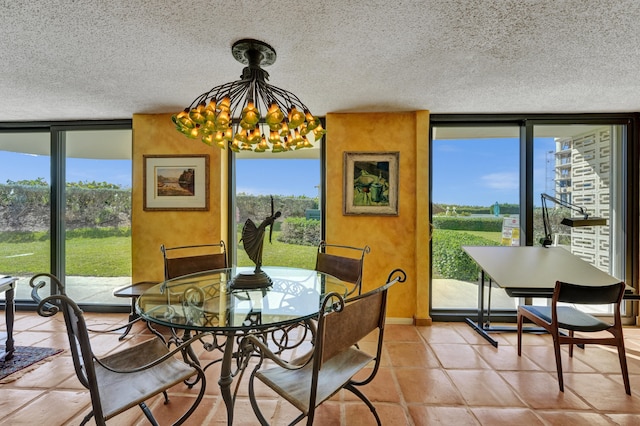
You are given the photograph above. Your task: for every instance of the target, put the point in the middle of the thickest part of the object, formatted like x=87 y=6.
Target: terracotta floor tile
x=565 y=418
x=505 y=358
x=506 y=416
x=411 y=354
x=427 y=386
x=602 y=393
x=382 y=388
x=445 y=333
x=484 y=388
x=458 y=356
x=540 y=390
x=428 y=415
x=400 y=333
x=443 y=374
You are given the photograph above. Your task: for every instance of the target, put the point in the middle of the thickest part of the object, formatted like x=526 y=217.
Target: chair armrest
x=143 y=356
x=251 y=343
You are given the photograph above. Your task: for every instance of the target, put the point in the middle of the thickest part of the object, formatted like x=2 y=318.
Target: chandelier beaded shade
x=250 y=114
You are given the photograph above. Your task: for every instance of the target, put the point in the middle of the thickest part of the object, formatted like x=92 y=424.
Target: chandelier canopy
x=250 y=114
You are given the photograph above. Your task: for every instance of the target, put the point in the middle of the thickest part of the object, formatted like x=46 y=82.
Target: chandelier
x=249 y=114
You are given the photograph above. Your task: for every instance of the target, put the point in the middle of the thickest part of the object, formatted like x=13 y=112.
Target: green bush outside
x=450 y=260
x=486 y=224
x=300 y=231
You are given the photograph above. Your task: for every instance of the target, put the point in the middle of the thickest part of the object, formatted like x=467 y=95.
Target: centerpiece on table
x=253 y=241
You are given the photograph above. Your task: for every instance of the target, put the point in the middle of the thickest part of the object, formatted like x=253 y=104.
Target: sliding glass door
x=25 y=189
x=97 y=214
x=488 y=182
x=293 y=179
x=65 y=208
x=584 y=171
x=475 y=201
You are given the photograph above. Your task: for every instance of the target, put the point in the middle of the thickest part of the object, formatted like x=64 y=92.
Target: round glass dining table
x=208 y=302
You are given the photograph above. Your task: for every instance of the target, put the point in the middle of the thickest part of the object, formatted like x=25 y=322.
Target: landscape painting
x=176 y=182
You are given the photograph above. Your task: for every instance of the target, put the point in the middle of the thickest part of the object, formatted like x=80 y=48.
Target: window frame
x=630 y=158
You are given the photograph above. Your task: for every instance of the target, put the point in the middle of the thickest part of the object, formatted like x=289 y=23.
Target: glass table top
x=206 y=301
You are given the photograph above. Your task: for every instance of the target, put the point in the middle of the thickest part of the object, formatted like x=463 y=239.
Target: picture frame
x=176 y=182
x=371 y=183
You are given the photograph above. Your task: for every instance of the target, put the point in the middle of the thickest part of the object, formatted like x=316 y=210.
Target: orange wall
x=155 y=135
x=395 y=241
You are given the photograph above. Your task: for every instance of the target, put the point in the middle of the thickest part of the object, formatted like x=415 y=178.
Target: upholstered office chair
x=124 y=379
x=335 y=359
x=555 y=318
x=344 y=262
x=184 y=260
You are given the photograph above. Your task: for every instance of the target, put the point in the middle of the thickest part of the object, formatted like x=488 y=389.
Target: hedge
x=466 y=223
x=450 y=260
x=300 y=231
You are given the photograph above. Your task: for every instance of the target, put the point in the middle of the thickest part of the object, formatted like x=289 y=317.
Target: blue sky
x=467 y=171
x=479 y=172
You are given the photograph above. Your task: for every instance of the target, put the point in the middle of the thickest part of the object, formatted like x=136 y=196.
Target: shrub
x=485 y=224
x=450 y=260
x=300 y=231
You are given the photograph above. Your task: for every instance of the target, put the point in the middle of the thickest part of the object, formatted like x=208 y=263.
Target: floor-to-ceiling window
x=66 y=207
x=583 y=171
x=24 y=206
x=97 y=214
x=293 y=179
x=581 y=162
x=475 y=201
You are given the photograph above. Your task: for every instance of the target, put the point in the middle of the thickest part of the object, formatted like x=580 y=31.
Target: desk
x=203 y=302
x=8 y=285
x=529 y=272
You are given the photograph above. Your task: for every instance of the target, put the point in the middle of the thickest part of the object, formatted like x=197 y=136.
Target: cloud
x=501 y=181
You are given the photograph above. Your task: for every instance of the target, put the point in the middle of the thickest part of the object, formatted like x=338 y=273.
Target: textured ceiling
x=110 y=59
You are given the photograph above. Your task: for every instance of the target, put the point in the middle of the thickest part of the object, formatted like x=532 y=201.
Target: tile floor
x=444 y=374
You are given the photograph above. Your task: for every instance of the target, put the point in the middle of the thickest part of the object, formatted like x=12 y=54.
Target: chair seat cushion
x=117 y=394
x=569 y=318
x=295 y=385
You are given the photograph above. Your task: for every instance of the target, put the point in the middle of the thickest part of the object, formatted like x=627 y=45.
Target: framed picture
x=176 y=182
x=371 y=183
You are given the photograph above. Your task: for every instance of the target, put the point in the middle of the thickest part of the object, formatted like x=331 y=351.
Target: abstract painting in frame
x=176 y=182
x=371 y=183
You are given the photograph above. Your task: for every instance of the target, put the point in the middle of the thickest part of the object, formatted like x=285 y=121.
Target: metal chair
x=555 y=318
x=201 y=259
x=184 y=260
x=123 y=379
x=345 y=268
x=334 y=359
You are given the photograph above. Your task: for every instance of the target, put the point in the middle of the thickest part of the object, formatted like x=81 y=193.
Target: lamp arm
x=566 y=204
x=547 y=240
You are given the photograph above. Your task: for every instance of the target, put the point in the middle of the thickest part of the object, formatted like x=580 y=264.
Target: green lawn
x=111 y=256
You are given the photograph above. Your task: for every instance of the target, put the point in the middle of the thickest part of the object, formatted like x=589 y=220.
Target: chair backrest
x=588 y=295
x=79 y=342
x=184 y=260
x=342 y=324
x=341 y=266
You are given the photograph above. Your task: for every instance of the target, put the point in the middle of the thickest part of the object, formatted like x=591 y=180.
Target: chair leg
x=87 y=418
x=520 y=319
x=203 y=387
x=623 y=366
x=364 y=399
x=254 y=403
x=148 y=414
x=571 y=344
x=556 y=349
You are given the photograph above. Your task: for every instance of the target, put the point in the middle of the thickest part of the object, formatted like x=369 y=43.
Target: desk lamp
x=573 y=222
